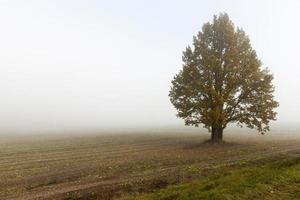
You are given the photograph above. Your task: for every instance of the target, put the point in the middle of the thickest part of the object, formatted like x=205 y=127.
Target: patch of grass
x=42 y=184
x=87 y=196
x=279 y=179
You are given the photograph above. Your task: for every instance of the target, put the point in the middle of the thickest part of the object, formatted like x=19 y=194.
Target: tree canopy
x=222 y=81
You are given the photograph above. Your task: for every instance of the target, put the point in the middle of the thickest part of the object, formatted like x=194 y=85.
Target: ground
x=149 y=166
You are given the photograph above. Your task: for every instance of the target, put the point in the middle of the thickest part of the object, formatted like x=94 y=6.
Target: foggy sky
x=67 y=65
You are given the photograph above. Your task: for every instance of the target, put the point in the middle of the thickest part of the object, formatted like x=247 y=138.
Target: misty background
x=89 y=65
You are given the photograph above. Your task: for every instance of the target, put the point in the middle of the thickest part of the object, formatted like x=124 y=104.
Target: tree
x=222 y=81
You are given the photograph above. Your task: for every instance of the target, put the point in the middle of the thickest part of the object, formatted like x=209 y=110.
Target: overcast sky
x=67 y=64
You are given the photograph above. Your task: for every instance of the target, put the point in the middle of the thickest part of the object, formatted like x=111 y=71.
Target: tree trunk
x=216 y=135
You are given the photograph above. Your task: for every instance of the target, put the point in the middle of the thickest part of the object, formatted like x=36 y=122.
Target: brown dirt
x=111 y=166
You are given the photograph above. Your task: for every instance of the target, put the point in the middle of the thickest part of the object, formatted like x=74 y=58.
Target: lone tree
x=222 y=81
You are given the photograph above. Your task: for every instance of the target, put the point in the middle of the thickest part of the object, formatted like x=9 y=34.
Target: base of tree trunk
x=216 y=135
x=216 y=141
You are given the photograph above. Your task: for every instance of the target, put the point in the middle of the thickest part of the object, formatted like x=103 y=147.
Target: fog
x=93 y=65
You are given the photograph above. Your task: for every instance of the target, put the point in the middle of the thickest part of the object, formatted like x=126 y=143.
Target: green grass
x=278 y=179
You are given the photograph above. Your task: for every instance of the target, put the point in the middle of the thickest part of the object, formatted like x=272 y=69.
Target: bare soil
x=119 y=165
